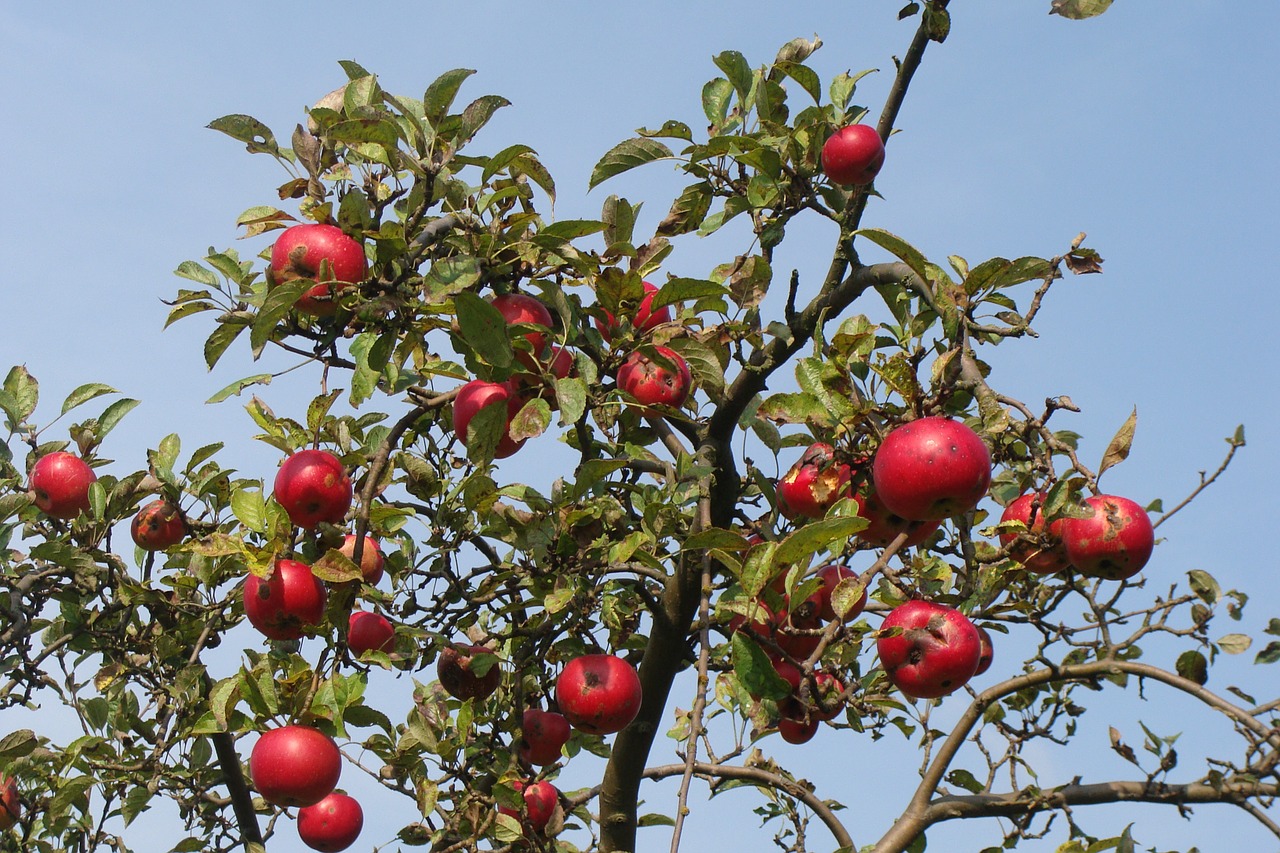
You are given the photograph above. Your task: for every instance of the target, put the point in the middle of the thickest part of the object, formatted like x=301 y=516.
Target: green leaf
x=249 y=506
x=688 y=211
x=196 y=272
x=805 y=76
x=234 y=389
x=755 y=671
x=112 y=416
x=440 y=94
x=715 y=101
x=257 y=137
x=476 y=116
x=686 y=290
x=1234 y=644
x=1118 y=450
x=1270 y=654
x=571 y=396
x=1192 y=665
x=735 y=67
x=817 y=535
x=359 y=131
x=908 y=254
x=571 y=229
x=278 y=303
x=485 y=430
x=336 y=567
x=502 y=159
x=715 y=537
x=1205 y=586
x=1079 y=10
x=998 y=273
x=17 y=744
x=484 y=329
x=449 y=276
x=218 y=341
x=964 y=779
x=531 y=421
x=23 y=393
x=626 y=156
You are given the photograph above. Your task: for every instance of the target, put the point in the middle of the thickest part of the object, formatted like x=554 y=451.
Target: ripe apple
x=662 y=378
x=935 y=653
x=331 y=825
x=60 y=482
x=478 y=394
x=643 y=320
x=540 y=801
x=931 y=468
x=369 y=631
x=313 y=486
x=792 y=630
x=287 y=604
x=987 y=651
x=543 y=735
x=157 y=526
x=10 y=805
x=813 y=484
x=884 y=526
x=598 y=693
x=830 y=696
x=853 y=155
x=797 y=729
x=1039 y=550
x=833 y=576
x=295 y=765
x=1114 y=543
x=321 y=253
x=453 y=668
x=518 y=308
x=371 y=559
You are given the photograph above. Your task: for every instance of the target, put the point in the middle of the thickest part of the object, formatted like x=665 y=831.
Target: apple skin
x=1039 y=550
x=930 y=469
x=830 y=689
x=157 y=526
x=643 y=320
x=298 y=253
x=331 y=825
x=60 y=483
x=476 y=395
x=371 y=559
x=453 y=668
x=369 y=632
x=288 y=604
x=797 y=730
x=664 y=380
x=543 y=735
x=10 y=804
x=540 y=801
x=884 y=526
x=853 y=155
x=936 y=652
x=1114 y=544
x=521 y=308
x=295 y=765
x=599 y=693
x=813 y=484
x=313 y=487
x=987 y=651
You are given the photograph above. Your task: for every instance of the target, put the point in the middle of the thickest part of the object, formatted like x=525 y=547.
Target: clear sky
x=1147 y=128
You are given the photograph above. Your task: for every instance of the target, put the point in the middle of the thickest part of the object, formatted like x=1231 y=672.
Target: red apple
x=884 y=526
x=295 y=765
x=157 y=526
x=987 y=652
x=368 y=632
x=1114 y=543
x=662 y=378
x=931 y=468
x=540 y=801
x=453 y=668
x=643 y=320
x=599 y=693
x=10 y=804
x=935 y=653
x=543 y=736
x=287 y=604
x=1039 y=550
x=830 y=692
x=332 y=824
x=798 y=729
x=60 y=482
x=853 y=155
x=371 y=559
x=478 y=394
x=321 y=253
x=813 y=484
x=833 y=576
x=518 y=308
x=313 y=487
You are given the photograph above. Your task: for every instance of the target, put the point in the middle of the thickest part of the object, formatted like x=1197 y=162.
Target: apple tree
x=669 y=605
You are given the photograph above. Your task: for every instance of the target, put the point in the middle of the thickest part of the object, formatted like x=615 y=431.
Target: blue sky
x=1147 y=129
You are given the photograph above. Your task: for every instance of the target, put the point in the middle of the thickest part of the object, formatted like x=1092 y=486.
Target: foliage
x=662 y=534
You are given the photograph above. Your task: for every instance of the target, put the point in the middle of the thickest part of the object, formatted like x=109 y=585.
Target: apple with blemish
x=543 y=735
x=1114 y=542
x=313 y=487
x=459 y=675
x=368 y=631
x=598 y=693
x=928 y=650
x=321 y=253
x=657 y=376
x=287 y=604
x=1039 y=548
x=813 y=484
x=371 y=559
x=930 y=469
x=479 y=394
x=331 y=825
x=643 y=320
x=157 y=526
x=60 y=482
